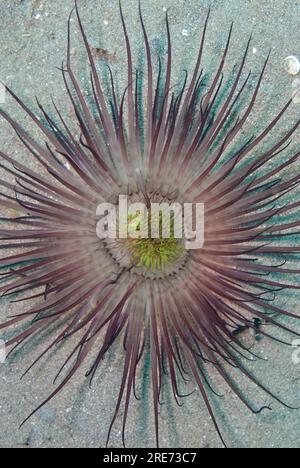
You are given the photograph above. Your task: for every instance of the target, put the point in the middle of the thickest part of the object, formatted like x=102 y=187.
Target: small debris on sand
x=292 y=65
x=103 y=54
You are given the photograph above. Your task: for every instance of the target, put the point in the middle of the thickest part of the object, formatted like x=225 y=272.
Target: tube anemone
x=181 y=306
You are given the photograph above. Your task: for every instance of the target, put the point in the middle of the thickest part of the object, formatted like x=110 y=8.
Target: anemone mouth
x=154 y=264
x=145 y=255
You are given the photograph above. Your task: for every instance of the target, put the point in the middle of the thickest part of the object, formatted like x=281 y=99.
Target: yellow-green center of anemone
x=154 y=254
